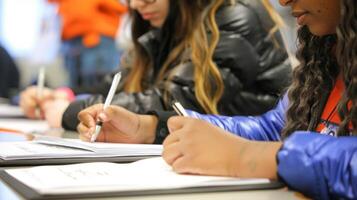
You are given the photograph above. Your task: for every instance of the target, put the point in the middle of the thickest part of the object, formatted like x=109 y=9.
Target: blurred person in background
x=88 y=35
x=9 y=75
x=213 y=56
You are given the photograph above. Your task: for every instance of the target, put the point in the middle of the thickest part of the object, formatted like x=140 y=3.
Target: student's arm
x=266 y=127
x=320 y=166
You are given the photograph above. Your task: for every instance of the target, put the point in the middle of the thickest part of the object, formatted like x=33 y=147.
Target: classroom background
x=30 y=30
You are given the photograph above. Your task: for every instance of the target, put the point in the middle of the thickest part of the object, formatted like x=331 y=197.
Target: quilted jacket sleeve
x=320 y=166
x=266 y=127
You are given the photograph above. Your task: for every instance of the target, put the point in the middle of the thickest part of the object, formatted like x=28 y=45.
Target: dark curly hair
x=314 y=78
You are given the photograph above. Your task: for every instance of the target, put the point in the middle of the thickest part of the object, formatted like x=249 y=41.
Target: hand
x=53 y=111
x=119 y=125
x=197 y=147
x=29 y=101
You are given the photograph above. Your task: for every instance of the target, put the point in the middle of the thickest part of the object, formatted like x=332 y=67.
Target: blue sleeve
x=266 y=127
x=320 y=166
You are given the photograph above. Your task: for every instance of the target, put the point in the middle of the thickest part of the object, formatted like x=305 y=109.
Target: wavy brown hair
x=189 y=21
x=318 y=71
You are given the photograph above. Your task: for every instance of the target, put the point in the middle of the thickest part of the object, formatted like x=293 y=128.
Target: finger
x=176 y=123
x=87 y=119
x=182 y=165
x=85 y=132
x=88 y=115
x=29 y=105
x=83 y=129
x=171 y=153
x=83 y=138
x=28 y=102
x=170 y=139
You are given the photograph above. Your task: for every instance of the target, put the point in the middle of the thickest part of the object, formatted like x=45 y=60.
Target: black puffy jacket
x=9 y=75
x=253 y=63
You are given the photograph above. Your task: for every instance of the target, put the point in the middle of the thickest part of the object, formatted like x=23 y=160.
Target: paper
x=51 y=147
x=24 y=125
x=10 y=111
x=100 y=147
x=147 y=174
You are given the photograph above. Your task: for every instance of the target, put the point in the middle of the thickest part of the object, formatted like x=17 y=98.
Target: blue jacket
x=319 y=166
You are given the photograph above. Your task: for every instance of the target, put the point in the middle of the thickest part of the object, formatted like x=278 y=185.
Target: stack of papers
x=24 y=125
x=148 y=176
x=9 y=111
x=58 y=148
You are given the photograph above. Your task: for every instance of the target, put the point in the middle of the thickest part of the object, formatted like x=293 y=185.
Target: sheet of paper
x=24 y=125
x=145 y=174
x=10 y=111
x=102 y=148
x=72 y=149
x=32 y=150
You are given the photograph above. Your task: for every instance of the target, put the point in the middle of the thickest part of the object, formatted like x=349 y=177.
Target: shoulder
x=243 y=16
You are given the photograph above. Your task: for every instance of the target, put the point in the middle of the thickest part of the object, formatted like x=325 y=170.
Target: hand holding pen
x=107 y=102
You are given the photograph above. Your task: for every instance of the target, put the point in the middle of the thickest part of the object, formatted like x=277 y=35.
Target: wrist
x=147 y=128
x=258 y=159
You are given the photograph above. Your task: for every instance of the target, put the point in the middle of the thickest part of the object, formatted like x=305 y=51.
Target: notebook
x=54 y=150
x=104 y=179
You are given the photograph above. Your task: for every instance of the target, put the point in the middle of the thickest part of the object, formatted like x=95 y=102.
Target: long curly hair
x=318 y=71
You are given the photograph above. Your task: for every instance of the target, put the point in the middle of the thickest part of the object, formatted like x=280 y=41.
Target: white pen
x=180 y=110
x=107 y=102
x=39 y=90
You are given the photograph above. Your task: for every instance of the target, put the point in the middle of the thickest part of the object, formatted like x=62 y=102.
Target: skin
x=29 y=102
x=197 y=147
x=321 y=16
x=156 y=12
x=119 y=125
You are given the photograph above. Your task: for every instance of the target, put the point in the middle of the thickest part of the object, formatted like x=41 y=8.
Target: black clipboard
x=31 y=194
